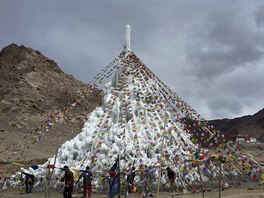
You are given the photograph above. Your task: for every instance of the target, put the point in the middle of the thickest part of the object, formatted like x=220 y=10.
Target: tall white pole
x=127 y=39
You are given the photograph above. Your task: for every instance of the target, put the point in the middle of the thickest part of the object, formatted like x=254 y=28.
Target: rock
x=15 y=125
x=73 y=120
x=6 y=102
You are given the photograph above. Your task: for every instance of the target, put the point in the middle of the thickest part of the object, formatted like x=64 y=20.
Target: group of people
x=69 y=182
x=87 y=176
x=145 y=179
x=87 y=181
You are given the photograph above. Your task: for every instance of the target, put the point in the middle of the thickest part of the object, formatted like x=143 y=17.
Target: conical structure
x=142 y=122
x=134 y=122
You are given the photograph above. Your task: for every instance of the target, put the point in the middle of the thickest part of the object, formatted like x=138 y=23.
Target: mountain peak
x=17 y=61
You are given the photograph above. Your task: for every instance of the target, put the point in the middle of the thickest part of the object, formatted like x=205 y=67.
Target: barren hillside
x=32 y=90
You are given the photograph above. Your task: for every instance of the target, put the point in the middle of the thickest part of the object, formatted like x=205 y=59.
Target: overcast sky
x=209 y=51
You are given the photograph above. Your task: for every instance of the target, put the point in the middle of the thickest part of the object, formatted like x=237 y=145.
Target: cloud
x=240 y=87
x=210 y=53
x=259 y=16
x=221 y=42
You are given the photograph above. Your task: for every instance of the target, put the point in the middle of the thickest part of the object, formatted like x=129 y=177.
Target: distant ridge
x=250 y=125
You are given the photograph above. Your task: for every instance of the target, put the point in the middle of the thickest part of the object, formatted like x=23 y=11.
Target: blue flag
x=114 y=180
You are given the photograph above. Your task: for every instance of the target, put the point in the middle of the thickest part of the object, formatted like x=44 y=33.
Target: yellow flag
x=75 y=171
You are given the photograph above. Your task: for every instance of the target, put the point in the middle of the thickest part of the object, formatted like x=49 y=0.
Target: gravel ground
x=230 y=193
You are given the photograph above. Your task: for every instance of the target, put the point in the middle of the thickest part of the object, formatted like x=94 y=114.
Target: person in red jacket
x=69 y=181
x=87 y=182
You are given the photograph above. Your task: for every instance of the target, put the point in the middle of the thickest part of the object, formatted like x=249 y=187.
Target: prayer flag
x=115 y=179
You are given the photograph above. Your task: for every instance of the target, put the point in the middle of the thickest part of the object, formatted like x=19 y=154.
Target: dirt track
x=230 y=193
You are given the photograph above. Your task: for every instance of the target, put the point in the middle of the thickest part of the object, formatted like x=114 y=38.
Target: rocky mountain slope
x=32 y=90
x=251 y=125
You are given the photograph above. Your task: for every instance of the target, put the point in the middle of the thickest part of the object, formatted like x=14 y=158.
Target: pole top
x=127 y=38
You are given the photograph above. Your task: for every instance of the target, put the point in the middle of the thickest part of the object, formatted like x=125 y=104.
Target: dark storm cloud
x=240 y=87
x=209 y=52
x=226 y=41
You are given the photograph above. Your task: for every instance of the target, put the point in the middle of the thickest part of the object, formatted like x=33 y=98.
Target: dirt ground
x=229 y=193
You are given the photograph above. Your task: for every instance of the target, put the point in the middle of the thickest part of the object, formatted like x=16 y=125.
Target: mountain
x=33 y=90
x=250 y=125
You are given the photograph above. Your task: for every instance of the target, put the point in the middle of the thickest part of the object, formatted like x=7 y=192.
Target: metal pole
x=49 y=182
x=21 y=184
x=51 y=173
x=220 y=177
x=119 y=174
x=157 y=193
x=199 y=171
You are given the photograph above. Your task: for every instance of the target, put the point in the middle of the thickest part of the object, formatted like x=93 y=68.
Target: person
x=146 y=182
x=172 y=177
x=130 y=179
x=29 y=181
x=69 y=181
x=87 y=182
